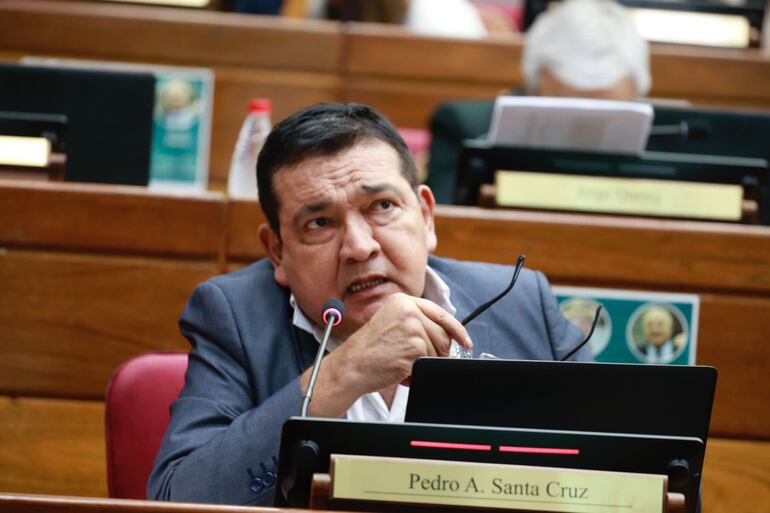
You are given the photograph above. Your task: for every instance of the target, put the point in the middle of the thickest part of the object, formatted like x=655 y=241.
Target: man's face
x=658 y=327
x=353 y=228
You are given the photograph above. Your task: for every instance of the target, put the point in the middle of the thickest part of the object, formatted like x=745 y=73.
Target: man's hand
x=381 y=353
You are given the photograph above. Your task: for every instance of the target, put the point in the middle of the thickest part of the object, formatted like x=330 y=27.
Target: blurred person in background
x=578 y=48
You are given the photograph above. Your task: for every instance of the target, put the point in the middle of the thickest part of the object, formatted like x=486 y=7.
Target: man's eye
x=317 y=223
x=383 y=205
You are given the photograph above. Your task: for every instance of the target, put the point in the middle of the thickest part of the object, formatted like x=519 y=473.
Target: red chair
x=136 y=414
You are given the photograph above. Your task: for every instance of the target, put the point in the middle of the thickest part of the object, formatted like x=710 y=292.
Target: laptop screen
x=578 y=396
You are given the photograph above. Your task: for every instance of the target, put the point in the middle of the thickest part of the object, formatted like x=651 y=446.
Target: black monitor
x=480 y=160
x=109 y=117
x=671 y=400
x=711 y=132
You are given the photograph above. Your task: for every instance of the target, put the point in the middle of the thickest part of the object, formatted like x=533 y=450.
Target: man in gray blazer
x=347 y=218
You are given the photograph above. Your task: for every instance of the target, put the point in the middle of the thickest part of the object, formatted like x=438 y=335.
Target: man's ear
x=274 y=249
x=428 y=208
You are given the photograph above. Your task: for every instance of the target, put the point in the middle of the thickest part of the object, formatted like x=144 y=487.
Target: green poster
x=634 y=326
x=181 y=128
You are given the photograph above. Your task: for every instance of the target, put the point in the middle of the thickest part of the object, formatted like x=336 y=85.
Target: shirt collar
x=436 y=290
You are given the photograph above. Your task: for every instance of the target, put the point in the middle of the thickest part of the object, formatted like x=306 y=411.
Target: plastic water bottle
x=242 y=180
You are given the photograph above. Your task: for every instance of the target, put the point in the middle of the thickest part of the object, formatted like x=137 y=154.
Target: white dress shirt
x=372 y=407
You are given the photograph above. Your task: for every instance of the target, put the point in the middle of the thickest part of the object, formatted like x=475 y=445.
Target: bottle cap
x=260 y=105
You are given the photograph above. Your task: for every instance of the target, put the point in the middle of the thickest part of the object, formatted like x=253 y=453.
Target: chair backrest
x=136 y=414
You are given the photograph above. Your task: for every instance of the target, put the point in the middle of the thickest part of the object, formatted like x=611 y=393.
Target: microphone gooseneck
x=333 y=312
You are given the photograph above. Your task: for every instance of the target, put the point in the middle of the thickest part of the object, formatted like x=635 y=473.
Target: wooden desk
x=301 y=62
x=292 y=62
x=92 y=275
x=21 y=503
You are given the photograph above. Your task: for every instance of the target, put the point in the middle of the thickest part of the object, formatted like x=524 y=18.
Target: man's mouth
x=358 y=287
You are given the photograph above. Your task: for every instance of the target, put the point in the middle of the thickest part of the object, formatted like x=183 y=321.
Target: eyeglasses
x=457 y=351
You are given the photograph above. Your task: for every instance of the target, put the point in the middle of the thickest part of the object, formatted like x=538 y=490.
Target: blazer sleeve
x=221 y=444
x=563 y=336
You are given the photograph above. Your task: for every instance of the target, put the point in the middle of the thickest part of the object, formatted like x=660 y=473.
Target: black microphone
x=333 y=312
x=687 y=130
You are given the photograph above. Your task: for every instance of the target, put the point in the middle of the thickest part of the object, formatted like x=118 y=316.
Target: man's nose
x=358 y=242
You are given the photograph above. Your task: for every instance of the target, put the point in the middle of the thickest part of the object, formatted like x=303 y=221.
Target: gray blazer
x=242 y=381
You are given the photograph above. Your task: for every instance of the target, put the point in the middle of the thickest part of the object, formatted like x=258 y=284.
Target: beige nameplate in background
x=488 y=485
x=666 y=198
x=24 y=151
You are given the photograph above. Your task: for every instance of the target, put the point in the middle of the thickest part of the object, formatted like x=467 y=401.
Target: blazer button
x=256 y=485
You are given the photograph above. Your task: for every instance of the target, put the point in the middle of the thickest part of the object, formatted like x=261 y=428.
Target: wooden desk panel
x=23 y=503
x=67 y=321
x=604 y=250
x=711 y=75
x=408 y=102
x=726 y=264
x=301 y=62
x=733 y=337
x=243 y=220
x=175 y=36
x=736 y=477
x=391 y=51
x=111 y=219
x=52 y=446
x=68 y=316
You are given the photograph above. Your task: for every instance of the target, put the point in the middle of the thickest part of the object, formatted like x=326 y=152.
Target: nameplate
x=664 y=198
x=24 y=151
x=486 y=485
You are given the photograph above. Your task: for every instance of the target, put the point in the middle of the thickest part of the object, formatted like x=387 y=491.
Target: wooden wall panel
x=711 y=76
x=596 y=250
x=736 y=477
x=292 y=62
x=301 y=62
x=175 y=36
x=243 y=220
x=67 y=321
x=411 y=103
x=377 y=50
x=726 y=264
x=52 y=447
x=111 y=219
x=733 y=337
x=26 y=503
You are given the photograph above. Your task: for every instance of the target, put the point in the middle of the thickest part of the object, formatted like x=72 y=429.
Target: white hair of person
x=587 y=45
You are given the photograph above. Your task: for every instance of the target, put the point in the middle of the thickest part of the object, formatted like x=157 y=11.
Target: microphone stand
x=317 y=364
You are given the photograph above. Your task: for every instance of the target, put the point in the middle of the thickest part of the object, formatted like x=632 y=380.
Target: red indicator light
x=450 y=445
x=538 y=450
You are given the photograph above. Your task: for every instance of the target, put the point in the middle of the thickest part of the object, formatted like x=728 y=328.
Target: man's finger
x=444 y=319
x=437 y=335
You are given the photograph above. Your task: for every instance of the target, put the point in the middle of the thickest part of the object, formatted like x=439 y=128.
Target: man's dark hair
x=322 y=130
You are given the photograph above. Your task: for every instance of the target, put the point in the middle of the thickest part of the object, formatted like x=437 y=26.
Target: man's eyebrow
x=310 y=208
x=379 y=188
